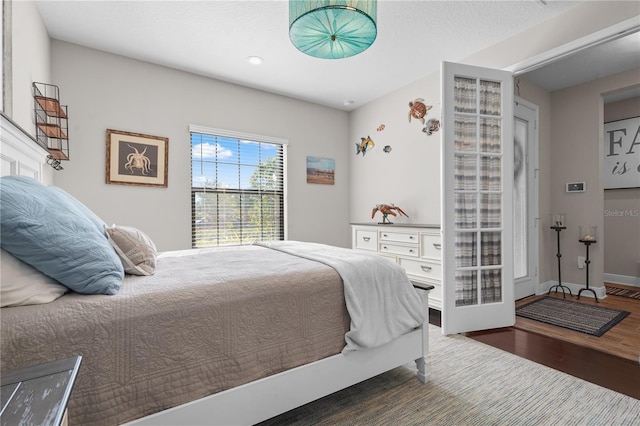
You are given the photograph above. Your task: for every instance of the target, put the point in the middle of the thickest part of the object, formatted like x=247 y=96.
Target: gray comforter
x=208 y=321
x=203 y=323
x=380 y=298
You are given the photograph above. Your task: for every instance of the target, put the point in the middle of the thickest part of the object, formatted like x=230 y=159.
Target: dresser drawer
x=366 y=239
x=431 y=246
x=421 y=268
x=400 y=250
x=400 y=237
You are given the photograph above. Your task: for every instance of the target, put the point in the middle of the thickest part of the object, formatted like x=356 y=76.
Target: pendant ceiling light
x=332 y=29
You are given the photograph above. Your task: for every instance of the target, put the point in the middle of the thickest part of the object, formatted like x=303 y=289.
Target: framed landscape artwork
x=137 y=159
x=321 y=170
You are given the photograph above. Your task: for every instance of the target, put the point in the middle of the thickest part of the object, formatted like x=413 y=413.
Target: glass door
x=477 y=179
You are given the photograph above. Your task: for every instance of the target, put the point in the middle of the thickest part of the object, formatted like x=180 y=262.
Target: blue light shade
x=332 y=29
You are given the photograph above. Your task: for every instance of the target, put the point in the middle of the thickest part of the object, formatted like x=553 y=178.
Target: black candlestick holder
x=559 y=255
x=587 y=243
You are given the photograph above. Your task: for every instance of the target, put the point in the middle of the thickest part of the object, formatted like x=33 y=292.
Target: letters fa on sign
x=622 y=154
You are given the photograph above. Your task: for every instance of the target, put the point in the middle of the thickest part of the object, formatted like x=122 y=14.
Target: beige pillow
x=135 y=248
x=22 y=284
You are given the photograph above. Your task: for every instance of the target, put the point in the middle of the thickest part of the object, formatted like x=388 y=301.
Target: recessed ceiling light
x=347 y=102
x=255 y=60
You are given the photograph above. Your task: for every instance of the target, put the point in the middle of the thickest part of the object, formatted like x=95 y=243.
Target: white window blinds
x=238 y=188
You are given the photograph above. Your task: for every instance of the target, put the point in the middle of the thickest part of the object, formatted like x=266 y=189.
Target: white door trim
x=533 y=168
x=613 y=32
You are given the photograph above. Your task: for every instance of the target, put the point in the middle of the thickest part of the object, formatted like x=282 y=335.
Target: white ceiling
x=589 y=64
x=215 y=38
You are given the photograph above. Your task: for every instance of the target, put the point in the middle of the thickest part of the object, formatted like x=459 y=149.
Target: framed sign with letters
x=622 y=154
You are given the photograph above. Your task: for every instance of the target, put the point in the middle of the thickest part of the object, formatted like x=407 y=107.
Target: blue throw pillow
x=55 y=236
x=67 y=198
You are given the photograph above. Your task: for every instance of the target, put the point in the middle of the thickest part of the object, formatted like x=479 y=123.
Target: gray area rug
x=471 y=384
x=589 y=319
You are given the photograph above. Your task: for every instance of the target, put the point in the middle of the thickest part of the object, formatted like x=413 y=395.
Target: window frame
x=248 y=137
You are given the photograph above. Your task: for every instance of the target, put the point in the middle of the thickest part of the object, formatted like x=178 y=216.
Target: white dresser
x=416 y=247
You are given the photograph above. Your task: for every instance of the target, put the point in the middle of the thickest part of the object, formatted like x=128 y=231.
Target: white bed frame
x=265 y=398
x=20 y=154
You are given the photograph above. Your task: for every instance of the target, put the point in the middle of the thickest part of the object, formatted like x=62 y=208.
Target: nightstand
x=38 y=395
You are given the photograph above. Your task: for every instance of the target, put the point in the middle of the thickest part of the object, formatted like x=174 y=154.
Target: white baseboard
x=622 y=279
x=543 y=288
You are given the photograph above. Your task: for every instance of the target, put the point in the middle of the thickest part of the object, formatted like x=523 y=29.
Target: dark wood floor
x=588 y=363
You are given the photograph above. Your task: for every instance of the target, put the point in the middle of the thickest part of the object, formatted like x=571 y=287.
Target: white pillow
x=22 y=284
x=135 y=249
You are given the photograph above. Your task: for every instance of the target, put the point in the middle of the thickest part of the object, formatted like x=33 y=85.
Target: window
x=238 y=188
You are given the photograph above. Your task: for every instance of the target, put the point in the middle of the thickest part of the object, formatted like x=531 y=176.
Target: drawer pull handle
x=426 y=268
x=385 y=235
x=438 y=246
x=411 y=237
x=366 y=238
x=385 y=248
x=410 y=250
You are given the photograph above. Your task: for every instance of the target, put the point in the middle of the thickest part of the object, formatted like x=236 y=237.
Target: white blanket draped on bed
x=380 y=299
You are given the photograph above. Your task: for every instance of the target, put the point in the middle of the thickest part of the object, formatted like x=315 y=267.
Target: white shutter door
x=477 y=193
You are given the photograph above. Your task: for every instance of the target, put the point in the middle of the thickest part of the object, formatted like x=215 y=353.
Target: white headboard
x=20 y=154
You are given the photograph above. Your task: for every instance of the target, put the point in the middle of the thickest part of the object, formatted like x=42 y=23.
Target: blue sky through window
x=226 y=162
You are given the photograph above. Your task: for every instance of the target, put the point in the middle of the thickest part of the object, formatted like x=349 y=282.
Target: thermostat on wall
x=576 y=187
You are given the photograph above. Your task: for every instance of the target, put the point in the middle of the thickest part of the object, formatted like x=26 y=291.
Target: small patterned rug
x=589 y=319
x=616 y=291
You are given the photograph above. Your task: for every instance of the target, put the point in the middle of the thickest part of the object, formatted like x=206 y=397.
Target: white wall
x=409 y=175
x=566 y=143
x=31 y=60
x=106 y=91
x=622 y=213
x=412 y=181
x=28 y=61
x=577 y=140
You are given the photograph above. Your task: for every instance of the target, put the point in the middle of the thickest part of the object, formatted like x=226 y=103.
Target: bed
x=208 y=336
